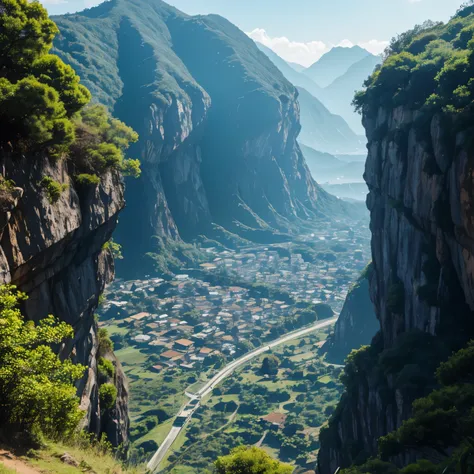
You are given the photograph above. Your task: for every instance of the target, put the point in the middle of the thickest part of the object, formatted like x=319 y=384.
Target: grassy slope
x=47 y=460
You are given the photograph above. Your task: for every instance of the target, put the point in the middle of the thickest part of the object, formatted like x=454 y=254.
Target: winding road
x=229 y=369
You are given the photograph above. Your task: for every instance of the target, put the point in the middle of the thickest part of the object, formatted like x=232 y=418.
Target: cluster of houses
x=187 y=321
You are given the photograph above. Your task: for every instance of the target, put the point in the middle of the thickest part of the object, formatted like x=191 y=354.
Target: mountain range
x=218 y=124
x=333 y=80
x=323 y=130
x=334 y=64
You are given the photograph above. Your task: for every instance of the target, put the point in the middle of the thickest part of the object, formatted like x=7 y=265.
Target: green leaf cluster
x=53 y=188
x=36 y=387
x=101 y=142
x=115 y=249
x=107 y=396
x=106 y=368
x=250 y=460
x=38 y=92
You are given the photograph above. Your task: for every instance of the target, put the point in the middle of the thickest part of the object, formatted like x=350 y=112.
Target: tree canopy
x=36 y=387
x=428 y=68
x=43 y=104
x=250 y=460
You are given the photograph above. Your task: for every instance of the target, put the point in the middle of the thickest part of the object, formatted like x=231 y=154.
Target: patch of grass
x=159 y=433
x=131 y=355
x=48 y=460
x=114 y=329
x=325 y=379
x=6 y=470
x=53 y=188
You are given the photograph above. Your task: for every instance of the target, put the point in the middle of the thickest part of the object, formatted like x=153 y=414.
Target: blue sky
x=302 y=30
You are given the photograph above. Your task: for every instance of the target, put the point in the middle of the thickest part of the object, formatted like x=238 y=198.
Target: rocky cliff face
x=53 y=252
x=420 y=200
x=217 y=122
x=357 y=323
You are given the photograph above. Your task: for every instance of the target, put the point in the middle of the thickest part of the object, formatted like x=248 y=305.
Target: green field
x=229 y=417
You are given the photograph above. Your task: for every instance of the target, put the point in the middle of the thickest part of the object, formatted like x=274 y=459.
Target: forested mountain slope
x=218 y=122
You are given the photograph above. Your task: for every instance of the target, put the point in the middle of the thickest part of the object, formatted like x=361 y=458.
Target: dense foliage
x=250 y=460
x=42 y=103
x=441 y=425
x=36 y=388
x=429 y=68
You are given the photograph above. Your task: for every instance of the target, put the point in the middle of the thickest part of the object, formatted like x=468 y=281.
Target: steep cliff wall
x=357 y=323
x=420 y=175
x=53 y=252
x=217 y=122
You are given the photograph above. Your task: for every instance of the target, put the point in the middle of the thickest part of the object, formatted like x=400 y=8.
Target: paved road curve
x=219 y=377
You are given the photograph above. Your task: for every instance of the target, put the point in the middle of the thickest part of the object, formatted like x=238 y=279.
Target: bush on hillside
x=250 y=460
x=107 y=396
x=36 y=388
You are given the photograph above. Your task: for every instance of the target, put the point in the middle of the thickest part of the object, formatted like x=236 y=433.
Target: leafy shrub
x=43 y=104
x=101 y=142
x=106 y=368
x=105 y=343
x=115 y=248
x=459 y=368
x=429 y=68
x=53 y=188
x=36 y=388
x=249 y=459
x=107 y=396
x=131 y=168
x=86 y=179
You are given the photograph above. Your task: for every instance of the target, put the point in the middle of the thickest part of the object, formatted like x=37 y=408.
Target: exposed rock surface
x=357 y=323
x=53 y=252
x=217 y=121
x=422 y=223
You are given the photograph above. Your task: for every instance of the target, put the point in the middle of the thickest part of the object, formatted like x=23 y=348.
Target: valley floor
x=173 y=334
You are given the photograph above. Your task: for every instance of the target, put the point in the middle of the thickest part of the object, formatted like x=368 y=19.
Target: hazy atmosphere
x=236 y=237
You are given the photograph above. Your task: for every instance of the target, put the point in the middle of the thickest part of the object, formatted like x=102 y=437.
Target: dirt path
x=10 y=461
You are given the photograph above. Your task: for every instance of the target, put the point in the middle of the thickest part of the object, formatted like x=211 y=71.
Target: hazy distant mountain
x=326 y=168
x=296 y=78
x=323 y=130
x=334 y=64
x=318 y=159
x=339 y=94
x=297 y=67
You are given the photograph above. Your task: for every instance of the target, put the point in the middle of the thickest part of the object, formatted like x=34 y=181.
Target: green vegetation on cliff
x=37 y=392
x=440 y=427
x=428 y=68
x=43 y=105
